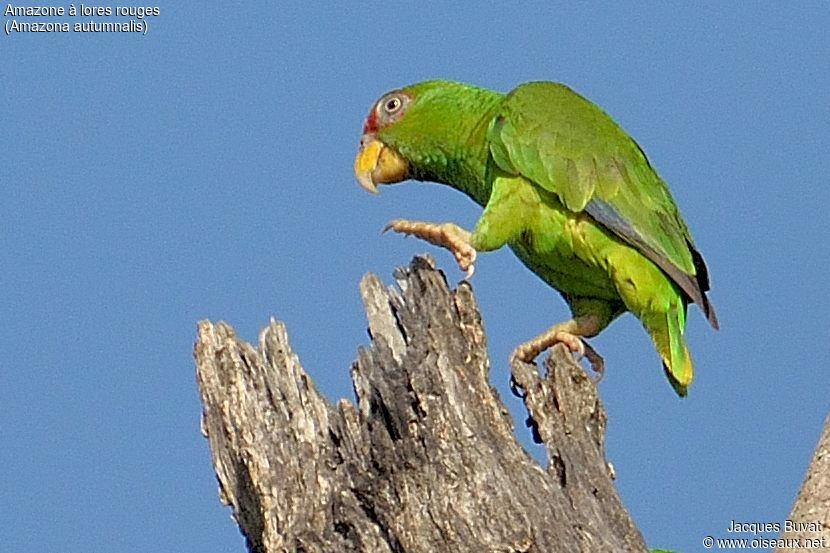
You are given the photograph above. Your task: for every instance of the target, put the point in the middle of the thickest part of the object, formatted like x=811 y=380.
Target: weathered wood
x=810 y=517
x=426 y=460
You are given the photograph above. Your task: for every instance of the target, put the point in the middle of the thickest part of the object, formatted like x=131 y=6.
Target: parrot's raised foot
x=446 y=235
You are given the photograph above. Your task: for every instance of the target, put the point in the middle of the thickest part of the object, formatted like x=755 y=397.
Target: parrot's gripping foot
x=446 y=235
x=569 y=333
x=531 y=349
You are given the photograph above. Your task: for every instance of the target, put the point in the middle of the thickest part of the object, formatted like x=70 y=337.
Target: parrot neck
x=457 y=151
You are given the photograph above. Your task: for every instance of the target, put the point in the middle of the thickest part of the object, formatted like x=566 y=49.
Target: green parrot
x=565 y=188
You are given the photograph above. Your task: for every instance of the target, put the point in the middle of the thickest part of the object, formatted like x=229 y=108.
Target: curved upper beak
x=376 y=163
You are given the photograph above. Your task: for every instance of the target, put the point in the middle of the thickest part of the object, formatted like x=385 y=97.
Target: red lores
x=371 y=124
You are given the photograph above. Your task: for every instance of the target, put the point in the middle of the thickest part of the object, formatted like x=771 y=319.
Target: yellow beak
x=376 y=163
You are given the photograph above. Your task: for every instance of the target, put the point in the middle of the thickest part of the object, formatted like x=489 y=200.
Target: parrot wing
x=566 y=145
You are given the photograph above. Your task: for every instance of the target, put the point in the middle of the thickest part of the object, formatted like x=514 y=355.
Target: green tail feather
x=666 y=330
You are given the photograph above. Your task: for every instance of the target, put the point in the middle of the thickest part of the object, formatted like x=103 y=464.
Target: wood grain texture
x=425 y=460
x=811 y=512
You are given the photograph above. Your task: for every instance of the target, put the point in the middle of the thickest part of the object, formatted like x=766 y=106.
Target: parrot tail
x=666 y=331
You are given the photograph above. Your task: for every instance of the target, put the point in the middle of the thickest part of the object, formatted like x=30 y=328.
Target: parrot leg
x=571 y=334
x=446 y=235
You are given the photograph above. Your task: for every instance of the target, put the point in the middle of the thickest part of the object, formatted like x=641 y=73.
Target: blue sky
x=204 y=171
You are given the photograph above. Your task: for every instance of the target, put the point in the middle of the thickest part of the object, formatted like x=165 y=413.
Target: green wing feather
x=563 y=143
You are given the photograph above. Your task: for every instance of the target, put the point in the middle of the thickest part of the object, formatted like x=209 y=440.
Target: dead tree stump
x=425 y=460
x=810 y=516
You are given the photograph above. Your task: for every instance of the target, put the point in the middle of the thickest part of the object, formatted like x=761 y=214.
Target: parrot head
x=377 y=162
x=415 y=132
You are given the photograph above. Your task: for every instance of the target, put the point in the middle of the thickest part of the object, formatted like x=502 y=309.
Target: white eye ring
x=392 y=105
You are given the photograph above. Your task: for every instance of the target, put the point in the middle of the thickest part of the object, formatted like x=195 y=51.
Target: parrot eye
x=388 y=109
x=392 y=105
